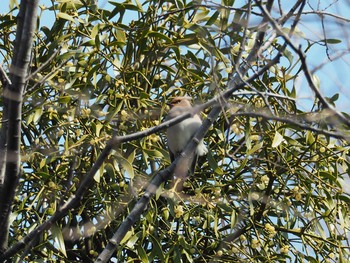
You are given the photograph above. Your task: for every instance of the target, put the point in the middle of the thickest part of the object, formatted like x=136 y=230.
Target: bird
x=180 y=134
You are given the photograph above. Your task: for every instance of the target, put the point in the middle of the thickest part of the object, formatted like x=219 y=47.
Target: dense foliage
x=271 y=188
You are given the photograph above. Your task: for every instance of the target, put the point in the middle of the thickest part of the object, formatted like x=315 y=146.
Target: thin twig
x=305 y=67
x=298 y=121
x=315 y=12
x=4 y=77
x=32 y=88
x=44 y=64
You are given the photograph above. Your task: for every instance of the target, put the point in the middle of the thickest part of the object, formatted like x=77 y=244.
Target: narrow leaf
x=57 y=233
x=66 y=17
x=277 y=140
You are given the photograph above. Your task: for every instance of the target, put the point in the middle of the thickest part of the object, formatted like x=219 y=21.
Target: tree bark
x=13 y=95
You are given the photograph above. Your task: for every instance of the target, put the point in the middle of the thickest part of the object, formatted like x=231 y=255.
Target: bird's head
x=180 y=102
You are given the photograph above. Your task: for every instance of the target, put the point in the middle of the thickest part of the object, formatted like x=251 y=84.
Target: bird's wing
x=193 y=164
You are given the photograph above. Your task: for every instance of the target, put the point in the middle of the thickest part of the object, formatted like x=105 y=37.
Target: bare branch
x=44 y=64
x=305 y=67
x=303 y=122
x=5 y=80
x=322 y=13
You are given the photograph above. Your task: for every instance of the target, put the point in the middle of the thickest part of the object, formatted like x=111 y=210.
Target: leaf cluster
x=268 y=190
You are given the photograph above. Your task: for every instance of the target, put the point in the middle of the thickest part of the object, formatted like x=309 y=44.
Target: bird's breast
x=180 y=134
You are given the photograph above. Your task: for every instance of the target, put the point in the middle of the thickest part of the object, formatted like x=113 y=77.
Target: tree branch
x=304 y=65
x=86 y=183
x=293 y=120
x=13 y=94
x=322 y=13
x=5 y=80
x=53 y=55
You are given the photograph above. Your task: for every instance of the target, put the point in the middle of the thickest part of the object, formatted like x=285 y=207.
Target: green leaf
x=142 y=253
x=37 y=115
x=94 y=31
x=330 y=176
x=310 y=139
x=90 y=42
x=215 y=225
x=157 y=248
x=213 y=164
x=213 y=19
x=66 y=143
x=187 y=40
x=345 y=198
x=122 y=7
x=132 y=241
x=193 y=58
x=242 y=165
x=293 y=92
x=177 y=254
x=277 y=140
x=255 y=148
x=159 y=191
x=98 y=128
x=233 y=219
x=97 y=42
x=58 y=237
x=65 y=17
x=64 y=99
x=160 y=35
x=99 y=174
x=289 y=55
x=126 y=166
x=12 y=4
x=110 y=171
x=228 y=2
x=127 y=236
x=334 y=98
x=121 y=36
x=311 y=259
x=331 y=41
x=43 y=175
x=188 y=256
x=200 y=15
x=153 y=153
x=42 y=163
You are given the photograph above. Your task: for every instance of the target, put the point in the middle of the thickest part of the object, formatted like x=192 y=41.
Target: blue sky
x=334 y=75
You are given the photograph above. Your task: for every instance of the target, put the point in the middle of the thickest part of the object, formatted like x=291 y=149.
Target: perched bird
x=179 y=135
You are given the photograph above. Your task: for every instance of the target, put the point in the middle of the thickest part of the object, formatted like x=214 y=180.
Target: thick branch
x=13 y=94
